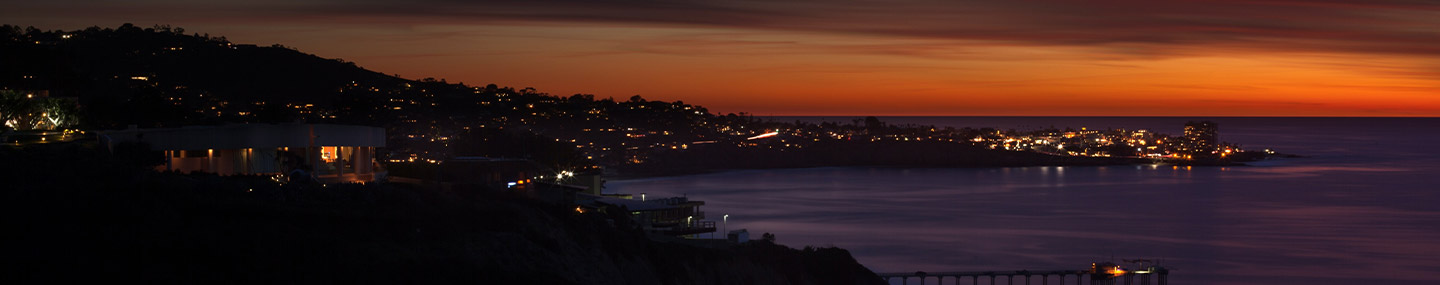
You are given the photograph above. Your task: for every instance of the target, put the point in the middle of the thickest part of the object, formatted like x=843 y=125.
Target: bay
x=1361 y=207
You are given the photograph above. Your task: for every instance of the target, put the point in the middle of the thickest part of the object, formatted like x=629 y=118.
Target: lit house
x=675 y=216
x=330 y=153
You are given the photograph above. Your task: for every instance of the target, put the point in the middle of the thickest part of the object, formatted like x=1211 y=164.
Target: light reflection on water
x=1362 y=208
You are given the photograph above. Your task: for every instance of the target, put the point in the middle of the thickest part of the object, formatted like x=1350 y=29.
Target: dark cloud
x=1139 y=27
x=1124 y=28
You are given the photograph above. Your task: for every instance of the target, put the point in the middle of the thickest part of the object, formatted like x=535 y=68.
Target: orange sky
x=1320 y=58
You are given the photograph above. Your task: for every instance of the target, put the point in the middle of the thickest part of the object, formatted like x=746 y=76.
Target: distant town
x=429 y=121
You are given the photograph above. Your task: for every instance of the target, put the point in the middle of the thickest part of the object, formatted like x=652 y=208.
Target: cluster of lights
x=520 y=182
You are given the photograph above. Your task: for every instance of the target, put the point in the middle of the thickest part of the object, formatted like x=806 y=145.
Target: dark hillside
x=96 y=62
x=76 y=215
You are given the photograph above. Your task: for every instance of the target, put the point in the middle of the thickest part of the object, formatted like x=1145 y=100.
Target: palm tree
x=13 y=108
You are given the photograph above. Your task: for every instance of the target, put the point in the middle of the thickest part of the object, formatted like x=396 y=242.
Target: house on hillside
x=488 y=172
x=675 y=216
x=523 y=176
x=327 y=153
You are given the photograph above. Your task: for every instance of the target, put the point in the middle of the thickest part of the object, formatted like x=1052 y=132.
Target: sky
x=861 y=57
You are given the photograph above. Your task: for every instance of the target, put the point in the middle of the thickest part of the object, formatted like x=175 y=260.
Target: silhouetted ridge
x=87 y=62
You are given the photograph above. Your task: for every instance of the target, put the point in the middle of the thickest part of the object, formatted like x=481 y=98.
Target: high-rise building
x=1201 y=137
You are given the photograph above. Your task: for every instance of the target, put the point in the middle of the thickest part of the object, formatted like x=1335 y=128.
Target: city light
x=765 y=135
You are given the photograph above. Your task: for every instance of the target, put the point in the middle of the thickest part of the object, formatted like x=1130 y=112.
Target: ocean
x=1363 y=206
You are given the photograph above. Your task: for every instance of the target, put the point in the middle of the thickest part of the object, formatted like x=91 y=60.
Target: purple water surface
x=1362 y=208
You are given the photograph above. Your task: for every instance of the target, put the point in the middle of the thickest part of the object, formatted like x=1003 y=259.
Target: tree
x=582 y=98
x=58 y=113
x=127 y=28
x=874 y=124
x=10 y=32
x=14 y=107
x=21 y=112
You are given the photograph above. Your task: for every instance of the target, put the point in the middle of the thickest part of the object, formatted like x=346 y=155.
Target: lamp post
x=725 y=225
x=642 y=196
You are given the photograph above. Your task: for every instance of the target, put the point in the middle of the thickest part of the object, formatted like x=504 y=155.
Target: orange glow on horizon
x=771 y=72
x=997 y=80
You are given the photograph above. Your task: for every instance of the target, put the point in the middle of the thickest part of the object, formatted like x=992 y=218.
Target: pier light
x=725 y=222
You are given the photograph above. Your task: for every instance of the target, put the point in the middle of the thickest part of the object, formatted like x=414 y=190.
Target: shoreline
x=629 y=177
x=1207 y=163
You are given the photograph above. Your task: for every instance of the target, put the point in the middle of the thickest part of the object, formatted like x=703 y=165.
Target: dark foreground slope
x=73 y=214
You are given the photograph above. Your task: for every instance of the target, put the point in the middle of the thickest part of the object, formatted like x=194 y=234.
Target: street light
x=642 y=196
x=725 y=225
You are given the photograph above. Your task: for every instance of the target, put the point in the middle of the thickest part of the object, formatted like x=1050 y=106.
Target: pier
x=1105 y=276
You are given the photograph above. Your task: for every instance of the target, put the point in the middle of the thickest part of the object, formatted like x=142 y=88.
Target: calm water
x=1363 y=208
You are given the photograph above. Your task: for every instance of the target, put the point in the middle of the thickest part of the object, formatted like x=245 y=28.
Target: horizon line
x=1095 y=116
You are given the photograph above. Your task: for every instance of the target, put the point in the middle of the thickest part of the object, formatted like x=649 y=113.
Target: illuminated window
x=328 y=153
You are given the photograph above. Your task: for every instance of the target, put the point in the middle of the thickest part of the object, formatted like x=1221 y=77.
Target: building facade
x=675 y=216
x=1201 y=137
x=324 y=152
